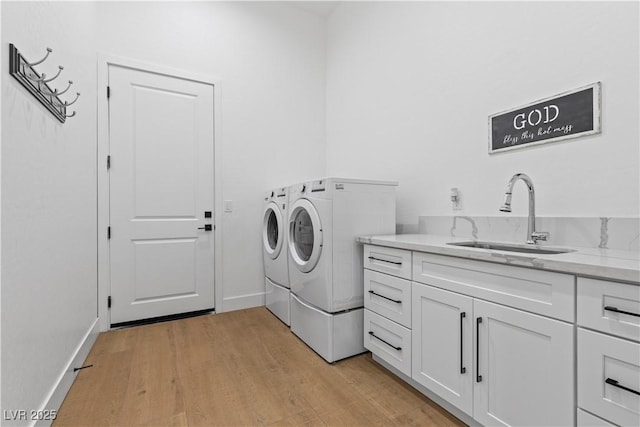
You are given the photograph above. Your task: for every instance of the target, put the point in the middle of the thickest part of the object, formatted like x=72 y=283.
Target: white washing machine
x=274 y=251
x=325 y=261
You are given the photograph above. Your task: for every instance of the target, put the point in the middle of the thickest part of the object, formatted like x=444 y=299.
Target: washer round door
x=272 y=230
x=305 y=235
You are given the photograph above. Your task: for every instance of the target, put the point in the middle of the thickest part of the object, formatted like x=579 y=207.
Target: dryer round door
x=305 y=235
x=272 y=230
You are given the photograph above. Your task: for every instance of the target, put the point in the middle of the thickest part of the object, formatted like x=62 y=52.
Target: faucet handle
x=539 y=235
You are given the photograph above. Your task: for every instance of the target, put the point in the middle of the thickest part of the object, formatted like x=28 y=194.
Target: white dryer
x=274 y=251
x=325 y=261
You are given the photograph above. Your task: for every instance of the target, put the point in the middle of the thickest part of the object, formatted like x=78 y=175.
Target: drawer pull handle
x=478 y=376
x=616 y=384
x=372 y=258
x=614 y=309
x=463 y=370
x=390 y=345
x=382 y=296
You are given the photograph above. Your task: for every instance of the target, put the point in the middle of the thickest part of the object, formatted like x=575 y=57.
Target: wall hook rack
x=55 y=91
x=23 y=71
x=46 y=55
x=60 y=68
x=72 y=102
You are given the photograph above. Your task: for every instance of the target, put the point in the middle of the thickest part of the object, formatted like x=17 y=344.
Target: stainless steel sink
x=529 y=249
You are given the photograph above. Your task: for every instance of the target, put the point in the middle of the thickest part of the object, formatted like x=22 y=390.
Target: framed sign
x=568 y=115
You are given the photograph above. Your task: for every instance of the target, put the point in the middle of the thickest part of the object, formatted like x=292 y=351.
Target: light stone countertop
x=601 y=263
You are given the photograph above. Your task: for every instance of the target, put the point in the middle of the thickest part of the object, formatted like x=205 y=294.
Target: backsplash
x=603 y=233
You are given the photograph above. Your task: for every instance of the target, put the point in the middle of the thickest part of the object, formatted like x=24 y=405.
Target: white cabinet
x=497 y=364
x=542 y=292
x=524 y=368
x=608 y=365
x=442 y=342
x=586 y=419
x=519 y=362
x=388 y=340
x=387 y=305
x=609 y=377
x=396 y=262
x=388 y=296
x=610 y=307
x=499 y=343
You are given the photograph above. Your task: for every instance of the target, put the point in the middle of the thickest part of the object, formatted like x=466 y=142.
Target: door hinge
x=109 y=301
x=109 y=232
x=108 y=162
x=108 y=92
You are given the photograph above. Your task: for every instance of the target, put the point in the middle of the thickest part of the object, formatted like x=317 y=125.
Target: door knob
x=207 y=227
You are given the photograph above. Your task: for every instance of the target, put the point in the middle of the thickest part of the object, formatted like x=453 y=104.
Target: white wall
x=410 y=86
x=269 y=59
x=48 y=203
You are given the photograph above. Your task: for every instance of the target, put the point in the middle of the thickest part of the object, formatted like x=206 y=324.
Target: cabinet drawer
x=388 y=296
x=585 y=419
x=541 y=292
x=388 y=340
x=609 y=307
x=396 y=262
x=602 y=359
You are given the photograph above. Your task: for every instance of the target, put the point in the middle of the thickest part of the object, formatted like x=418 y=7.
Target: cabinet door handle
x=372 y=258
x=382 y=296
x=614 y=309
x=386 y=342
x=478 y=376
x=463 y=370
x=616 y=384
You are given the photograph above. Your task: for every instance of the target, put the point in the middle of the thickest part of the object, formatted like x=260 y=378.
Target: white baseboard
x=65 y=380
x=242 y=301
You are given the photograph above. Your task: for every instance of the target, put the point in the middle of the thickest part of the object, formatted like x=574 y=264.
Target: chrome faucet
x=532 y=235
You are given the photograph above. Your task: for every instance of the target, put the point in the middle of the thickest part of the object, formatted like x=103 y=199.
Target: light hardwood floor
x=239 y=368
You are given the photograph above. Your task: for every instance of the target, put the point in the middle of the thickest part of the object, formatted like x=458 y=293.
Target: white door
x=524 y=368
x=161 y=184
x=442 y=344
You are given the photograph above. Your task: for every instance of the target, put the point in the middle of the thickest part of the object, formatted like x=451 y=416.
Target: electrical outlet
x=456 y=203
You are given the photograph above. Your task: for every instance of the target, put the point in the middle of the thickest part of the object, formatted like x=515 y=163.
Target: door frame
x=104 y=273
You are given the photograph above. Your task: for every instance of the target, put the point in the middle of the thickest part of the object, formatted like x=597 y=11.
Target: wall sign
x=568 y=115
